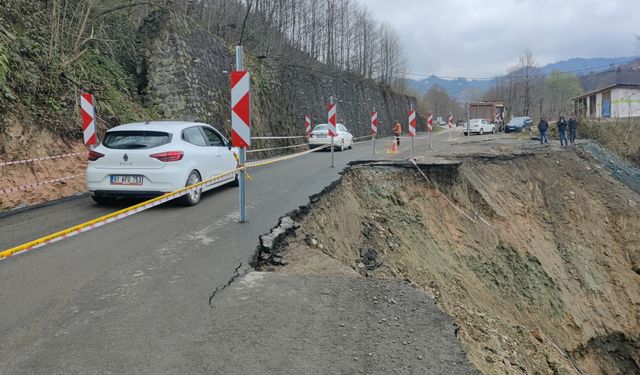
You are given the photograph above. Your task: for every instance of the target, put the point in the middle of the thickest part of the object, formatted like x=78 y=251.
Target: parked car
x=143 y=160
x=320 y=137
x=460 y=123
x=518 y=124
x=479 y=126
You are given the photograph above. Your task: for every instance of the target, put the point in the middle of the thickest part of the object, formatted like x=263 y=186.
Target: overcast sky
x=481 y=38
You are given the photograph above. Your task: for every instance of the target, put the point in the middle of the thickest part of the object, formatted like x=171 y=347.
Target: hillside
x=581 y=66
x=454 y=87
x=151 y=62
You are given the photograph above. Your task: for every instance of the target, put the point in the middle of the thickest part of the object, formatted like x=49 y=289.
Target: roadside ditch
x=535 y=257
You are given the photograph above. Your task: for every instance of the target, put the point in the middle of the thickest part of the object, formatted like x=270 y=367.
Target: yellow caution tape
x=121 y=214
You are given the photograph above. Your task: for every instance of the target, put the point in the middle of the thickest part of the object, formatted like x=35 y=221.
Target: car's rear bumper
x=320 y=141
x=316 y=142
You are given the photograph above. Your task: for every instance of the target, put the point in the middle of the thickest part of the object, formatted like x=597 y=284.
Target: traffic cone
x=394 y=147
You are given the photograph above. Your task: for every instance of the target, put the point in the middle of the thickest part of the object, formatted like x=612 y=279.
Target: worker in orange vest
x=397 y=130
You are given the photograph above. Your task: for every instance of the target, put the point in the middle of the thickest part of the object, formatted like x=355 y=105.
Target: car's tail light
x=93 y=156
x=168 y=156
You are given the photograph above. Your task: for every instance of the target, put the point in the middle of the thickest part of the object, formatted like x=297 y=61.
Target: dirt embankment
x=536 y=258
x=621 y=136
x=21 y=143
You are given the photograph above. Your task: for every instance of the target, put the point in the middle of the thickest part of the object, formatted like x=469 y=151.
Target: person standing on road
x=543 y=127
x=562 y=130
x=397 y=130
x=573 y=127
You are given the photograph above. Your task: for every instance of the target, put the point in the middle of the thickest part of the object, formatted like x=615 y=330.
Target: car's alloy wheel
x=481 y=131
x=342 y=145
x=193 y=197
x=493 y=130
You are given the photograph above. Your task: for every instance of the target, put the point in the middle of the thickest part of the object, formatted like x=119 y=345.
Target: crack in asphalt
x=236 y=274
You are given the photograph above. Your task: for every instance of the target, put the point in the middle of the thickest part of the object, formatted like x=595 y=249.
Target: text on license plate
x=322 y=136
x=126 y=180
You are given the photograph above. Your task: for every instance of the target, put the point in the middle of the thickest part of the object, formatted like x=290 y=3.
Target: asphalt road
x=133 y=296
x=332 y=326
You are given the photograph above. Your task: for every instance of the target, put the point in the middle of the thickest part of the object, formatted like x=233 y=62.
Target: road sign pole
x=430 y=128
x=243 y=150
x=331 y=103
x=411 y=147
x=412 y=128
x=374 y=128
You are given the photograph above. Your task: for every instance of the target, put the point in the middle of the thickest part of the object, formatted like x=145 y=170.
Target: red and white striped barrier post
x=430 y=127
x=374 y=128
x=412 y=127
x=307 y=124
x=332 y=113
x=241 y=121
x=88 y=113
x=450 y=123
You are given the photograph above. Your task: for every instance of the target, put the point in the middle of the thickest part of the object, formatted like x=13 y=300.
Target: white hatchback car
x=320 y=137
x=145 y=160
x=479 y=126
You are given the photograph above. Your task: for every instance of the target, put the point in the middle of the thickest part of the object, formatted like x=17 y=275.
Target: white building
x=618 y=98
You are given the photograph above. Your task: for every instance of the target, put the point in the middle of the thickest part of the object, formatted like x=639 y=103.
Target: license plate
x=127 y=180
x=322 y=136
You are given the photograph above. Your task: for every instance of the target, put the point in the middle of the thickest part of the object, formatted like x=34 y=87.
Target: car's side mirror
x=229 y=145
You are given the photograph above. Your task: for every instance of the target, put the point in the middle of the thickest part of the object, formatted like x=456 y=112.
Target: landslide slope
x=536 y=257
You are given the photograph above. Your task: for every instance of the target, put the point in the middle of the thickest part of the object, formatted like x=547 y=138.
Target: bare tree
x=438 y=102
x=528 y=73
x=339 y=33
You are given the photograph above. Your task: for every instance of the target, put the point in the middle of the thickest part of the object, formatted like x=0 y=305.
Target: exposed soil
x=21 y=142
x=536 y=257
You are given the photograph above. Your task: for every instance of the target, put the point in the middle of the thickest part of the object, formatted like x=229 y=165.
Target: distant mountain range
x=458 y=87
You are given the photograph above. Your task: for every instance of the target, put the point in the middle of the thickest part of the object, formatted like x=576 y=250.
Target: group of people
x=563 y=126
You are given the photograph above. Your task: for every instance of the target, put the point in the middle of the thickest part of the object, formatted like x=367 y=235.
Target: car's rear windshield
x=135 y=139
x=321 y=127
